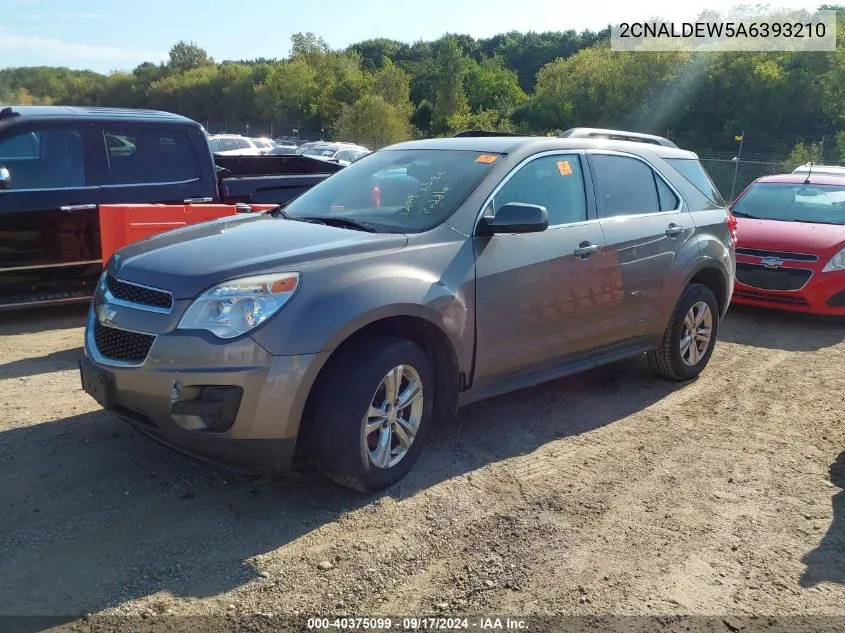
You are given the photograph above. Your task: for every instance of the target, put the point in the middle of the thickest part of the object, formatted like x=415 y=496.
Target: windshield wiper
x=347 y=223
x=743 y=214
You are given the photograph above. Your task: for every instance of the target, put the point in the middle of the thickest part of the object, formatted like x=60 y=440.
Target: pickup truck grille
x=121 y=345
x=133 y=293
x=772 y=279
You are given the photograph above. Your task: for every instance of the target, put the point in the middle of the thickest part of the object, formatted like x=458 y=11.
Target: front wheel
x=690 y=336
x=371 y=413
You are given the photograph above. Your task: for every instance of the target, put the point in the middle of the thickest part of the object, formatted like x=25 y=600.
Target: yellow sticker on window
x=486 y=158
x=564 y=167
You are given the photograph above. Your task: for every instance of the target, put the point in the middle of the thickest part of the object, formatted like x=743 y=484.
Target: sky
x=104 y=36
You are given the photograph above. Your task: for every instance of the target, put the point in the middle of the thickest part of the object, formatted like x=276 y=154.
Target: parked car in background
x=285 y=142
x=338 y=328
x=343 y=153
x=232 y=145
x=264 y=145
x=834 y=170
x=280 y=150
x=59 y=164
x=791 y=249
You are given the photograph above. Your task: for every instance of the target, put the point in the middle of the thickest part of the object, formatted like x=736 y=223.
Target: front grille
x=120 y=345
x=138 y=294
x=759 y=252
x=772 y=279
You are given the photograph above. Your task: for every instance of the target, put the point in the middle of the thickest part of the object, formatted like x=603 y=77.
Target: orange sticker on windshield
x=486 y=159
x=564 y=167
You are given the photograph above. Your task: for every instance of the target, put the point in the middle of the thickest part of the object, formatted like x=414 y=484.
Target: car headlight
x=237 y=306
x=837 y=262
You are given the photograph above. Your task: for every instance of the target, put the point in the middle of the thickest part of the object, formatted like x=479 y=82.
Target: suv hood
x=189 y=260
x=794 y=237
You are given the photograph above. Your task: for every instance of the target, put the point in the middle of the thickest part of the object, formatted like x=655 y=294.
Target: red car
x=790 y=251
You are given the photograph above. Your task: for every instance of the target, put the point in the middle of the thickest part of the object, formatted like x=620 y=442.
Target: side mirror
x=5 y=178
x=515 y=217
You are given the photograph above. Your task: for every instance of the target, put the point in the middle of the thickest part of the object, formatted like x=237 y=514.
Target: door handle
x=197 y=200
x=585 y=249
x=673 y=230
x=77 y=207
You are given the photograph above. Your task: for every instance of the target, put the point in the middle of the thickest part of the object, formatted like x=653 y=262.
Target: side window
x=44 y=159
x=149 y=156
x=668 y=200
x=242 y=143
x=555 y=182
x=227 y=144
x=344 y=155
x=625 y=186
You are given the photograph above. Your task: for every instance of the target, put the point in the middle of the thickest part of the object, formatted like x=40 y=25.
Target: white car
x=343 y=153
x=831 y=170
x=233 y=145
x=263 y=144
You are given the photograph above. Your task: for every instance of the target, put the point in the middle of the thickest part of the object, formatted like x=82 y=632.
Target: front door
x=49 y=235
x=540 y=296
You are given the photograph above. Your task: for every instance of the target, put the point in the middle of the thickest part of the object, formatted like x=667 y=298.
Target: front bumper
x=823 y=294
x=230 y=403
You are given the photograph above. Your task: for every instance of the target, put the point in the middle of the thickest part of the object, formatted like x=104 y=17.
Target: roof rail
x=483 y=133
x=617 y=135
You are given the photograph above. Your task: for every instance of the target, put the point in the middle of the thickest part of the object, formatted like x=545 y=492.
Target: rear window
x=793 y=202
x=149 y=156
x=694 y=172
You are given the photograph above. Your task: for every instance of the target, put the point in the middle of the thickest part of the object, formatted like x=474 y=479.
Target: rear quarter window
x=693 y=171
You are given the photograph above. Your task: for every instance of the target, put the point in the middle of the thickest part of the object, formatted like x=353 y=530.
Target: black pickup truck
x=58 y=164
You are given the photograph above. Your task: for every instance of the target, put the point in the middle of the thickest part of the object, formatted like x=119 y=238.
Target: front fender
x=333 y=304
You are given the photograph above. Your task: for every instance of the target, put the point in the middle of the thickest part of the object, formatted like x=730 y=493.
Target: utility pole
x=821 y=150
x=738 y=159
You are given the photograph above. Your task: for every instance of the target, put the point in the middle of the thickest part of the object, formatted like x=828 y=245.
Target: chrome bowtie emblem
x=105 y=315
x=771 y=262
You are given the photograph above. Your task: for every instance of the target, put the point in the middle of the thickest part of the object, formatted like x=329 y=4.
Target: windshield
x=793 y=202
x=398 y=191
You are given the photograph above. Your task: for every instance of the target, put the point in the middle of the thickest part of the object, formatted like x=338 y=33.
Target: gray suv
x=423 y=277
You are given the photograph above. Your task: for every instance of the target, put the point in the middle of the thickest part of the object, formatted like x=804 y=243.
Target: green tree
x=185 y=56
x=372 y=122
x=450 y=100
x=490 y=85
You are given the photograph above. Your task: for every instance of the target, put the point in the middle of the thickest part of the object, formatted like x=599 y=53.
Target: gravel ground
x=605 y=493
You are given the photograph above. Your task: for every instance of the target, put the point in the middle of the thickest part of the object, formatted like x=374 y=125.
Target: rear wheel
x=371 y=413
x=690 y=336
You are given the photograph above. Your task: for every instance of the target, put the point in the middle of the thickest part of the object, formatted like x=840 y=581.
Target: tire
x=351 y=384
x=667 y=361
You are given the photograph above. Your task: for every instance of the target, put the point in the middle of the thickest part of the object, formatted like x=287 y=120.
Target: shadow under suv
x=425 y=276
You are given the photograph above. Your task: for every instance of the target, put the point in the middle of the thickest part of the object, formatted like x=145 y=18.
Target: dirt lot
x=604 y=493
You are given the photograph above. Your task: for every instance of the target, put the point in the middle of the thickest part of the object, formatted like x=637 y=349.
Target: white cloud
x=54 y=49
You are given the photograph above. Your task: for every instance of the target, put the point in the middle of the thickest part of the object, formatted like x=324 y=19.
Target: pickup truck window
x=397 y=191
x=44 y=159
x=149 y=156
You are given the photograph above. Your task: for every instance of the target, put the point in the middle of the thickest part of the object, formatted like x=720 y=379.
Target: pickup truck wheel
x=372 y=412
x=690 y=336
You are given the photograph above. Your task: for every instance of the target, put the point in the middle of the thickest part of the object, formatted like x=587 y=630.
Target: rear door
x=49 y=236
x=146 y=163
x=645 y=224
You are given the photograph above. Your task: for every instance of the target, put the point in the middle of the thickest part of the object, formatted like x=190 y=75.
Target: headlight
x=237 y=306
x=837 y=262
